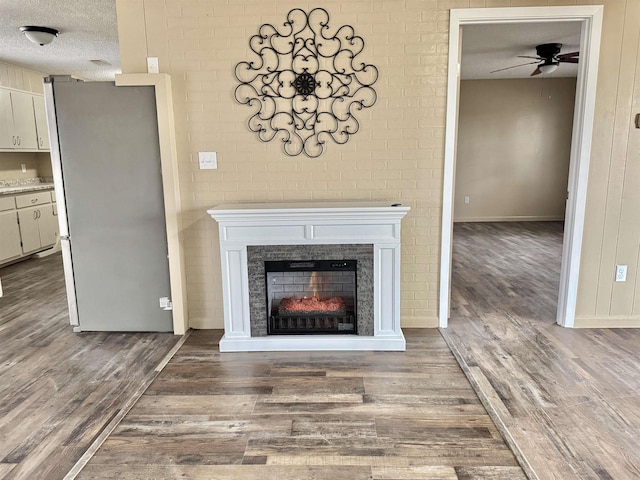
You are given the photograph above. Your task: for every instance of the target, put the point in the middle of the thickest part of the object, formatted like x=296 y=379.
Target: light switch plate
x=152 y=65
x=208 y=160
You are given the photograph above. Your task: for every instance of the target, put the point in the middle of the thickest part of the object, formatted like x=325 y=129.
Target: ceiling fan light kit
x=548 y=68
x=39 y=35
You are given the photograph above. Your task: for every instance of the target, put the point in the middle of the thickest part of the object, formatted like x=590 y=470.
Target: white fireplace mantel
x=244 y=224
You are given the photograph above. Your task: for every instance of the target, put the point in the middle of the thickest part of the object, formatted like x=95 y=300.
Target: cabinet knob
x=18 y=140
x=13 y=139
x=34 y=200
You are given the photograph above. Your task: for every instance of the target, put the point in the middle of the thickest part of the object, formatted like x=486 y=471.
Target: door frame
x=590 y=18
x=170 y=188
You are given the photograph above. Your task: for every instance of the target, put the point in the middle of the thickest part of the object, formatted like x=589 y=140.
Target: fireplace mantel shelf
x=359 y=222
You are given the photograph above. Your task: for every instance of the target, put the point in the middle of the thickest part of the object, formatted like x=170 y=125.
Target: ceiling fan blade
x=569 y=60
x=537 y=71
x=514 y=66
x=572 y=54
x=526 y=56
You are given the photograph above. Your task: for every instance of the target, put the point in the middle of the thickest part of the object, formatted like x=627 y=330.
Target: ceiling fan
x=548 y=59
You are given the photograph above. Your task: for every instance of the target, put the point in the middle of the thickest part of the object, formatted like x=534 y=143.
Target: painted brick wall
x=397 y=155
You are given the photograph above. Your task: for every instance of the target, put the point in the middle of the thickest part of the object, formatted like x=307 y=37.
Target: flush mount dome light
x=39 y=35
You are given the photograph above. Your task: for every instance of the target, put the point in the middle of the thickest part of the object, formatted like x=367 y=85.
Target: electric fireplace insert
x=311 y=297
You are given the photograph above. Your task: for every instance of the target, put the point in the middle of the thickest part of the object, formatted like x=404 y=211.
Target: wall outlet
x=621 y=273
x=467 y=199
x=208 y=160
x=165 y=303
x=23 y=167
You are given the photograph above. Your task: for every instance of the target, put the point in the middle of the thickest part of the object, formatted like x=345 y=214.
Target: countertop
x=13 y=190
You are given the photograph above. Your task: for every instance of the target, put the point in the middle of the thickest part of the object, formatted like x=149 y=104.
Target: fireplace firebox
x=311 y=297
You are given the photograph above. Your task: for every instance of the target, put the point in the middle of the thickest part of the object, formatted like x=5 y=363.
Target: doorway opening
x=589 y=20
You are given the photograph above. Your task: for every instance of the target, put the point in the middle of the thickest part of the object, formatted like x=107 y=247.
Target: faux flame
x=315 y=282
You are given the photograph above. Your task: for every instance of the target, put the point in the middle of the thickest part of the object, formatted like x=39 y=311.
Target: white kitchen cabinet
x=29 y=230
x=38 y=228
x=6 y=119
x=9 y=236
x=24 y=122
x=48 y=224
x=38 y=221
x=18 y=117
x=41 y=122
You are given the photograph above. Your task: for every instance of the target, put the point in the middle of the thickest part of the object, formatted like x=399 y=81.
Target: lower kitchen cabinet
x=38 y=227
x=28 y=224
x=9 y=236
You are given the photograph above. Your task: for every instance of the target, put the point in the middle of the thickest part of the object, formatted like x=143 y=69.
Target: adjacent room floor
x=569 y=399
x=59 y=389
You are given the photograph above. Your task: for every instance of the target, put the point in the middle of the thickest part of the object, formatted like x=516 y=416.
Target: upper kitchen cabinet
x=24 y=121
x=6 y=119
x=19 y=114
x=41 y=123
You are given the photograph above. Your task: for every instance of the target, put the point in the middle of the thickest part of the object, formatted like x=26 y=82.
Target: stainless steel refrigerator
x=106 y=165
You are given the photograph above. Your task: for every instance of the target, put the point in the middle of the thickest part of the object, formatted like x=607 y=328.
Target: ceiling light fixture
x=548 y=68
x=39 y=35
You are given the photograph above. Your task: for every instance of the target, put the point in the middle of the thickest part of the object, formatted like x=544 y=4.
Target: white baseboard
x=632 y=321
x=523 y=218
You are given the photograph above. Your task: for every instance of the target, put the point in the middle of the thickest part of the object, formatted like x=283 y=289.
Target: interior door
x=110 y=160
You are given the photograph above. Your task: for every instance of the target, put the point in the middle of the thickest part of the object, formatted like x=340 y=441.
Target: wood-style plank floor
x=58 y=389
x=307 y=415
x=568 y=399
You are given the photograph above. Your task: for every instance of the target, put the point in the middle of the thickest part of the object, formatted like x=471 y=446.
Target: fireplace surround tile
x=258 y=254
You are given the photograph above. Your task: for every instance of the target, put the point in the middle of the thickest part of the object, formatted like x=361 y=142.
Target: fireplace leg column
x=235 y=290
x=386 y=263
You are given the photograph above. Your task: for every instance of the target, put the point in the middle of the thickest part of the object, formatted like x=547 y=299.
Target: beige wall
x=514 y=144
x=38 y=164
x=398 y=154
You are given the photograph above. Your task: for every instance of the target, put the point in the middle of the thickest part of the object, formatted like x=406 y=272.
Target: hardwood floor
x=567 y=400
x=59 y=389
x=303 y=415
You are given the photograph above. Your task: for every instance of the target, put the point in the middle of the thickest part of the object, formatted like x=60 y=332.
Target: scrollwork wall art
x=306 y=83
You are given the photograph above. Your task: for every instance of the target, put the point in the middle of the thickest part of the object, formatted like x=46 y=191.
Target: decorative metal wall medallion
x=305 y=84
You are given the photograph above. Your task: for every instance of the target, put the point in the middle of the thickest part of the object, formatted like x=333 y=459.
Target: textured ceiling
x=88 y=31
x=491 y=47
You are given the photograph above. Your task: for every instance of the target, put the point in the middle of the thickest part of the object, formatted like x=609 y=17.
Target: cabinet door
x=29 y=231
x=9 y=236
x=41 y=123
x=24 y=123
x=6 y=119
x=48 y=225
